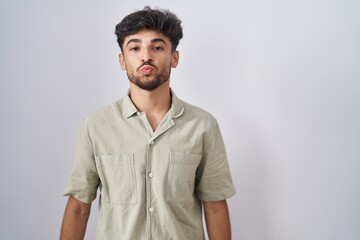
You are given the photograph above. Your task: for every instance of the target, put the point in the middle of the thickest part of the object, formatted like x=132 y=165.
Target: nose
x=146 y=56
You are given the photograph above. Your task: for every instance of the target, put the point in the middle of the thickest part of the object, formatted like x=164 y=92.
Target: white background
x=282 y=78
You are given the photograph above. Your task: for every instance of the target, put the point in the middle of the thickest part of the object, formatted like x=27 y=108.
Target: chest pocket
x=117 y=175
x=181 y=177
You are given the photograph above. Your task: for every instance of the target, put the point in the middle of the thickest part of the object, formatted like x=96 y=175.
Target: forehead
x=146 y=36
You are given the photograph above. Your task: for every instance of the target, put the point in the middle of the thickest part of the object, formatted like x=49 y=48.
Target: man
x=155 y=159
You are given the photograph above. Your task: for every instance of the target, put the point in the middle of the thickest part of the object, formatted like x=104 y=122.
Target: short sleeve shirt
x=151 y=183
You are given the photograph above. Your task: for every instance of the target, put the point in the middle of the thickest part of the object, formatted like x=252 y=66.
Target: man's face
x=148 y=58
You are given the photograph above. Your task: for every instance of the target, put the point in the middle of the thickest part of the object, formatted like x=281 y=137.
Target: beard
x=145 y=82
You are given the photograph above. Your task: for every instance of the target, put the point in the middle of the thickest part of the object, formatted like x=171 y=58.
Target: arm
x=217 y=220
x=75 y=219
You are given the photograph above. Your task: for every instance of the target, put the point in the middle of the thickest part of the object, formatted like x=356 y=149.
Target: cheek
x=127 y=66
x=128 y=63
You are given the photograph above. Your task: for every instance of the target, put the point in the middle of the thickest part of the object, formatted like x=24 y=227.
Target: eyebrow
x=158 y=40
x=136 y=40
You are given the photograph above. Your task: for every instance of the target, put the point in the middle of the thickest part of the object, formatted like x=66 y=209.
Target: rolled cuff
x=86 y=195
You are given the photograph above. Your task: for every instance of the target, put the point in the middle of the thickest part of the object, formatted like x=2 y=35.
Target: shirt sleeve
x=214 y=181
x=84 y=179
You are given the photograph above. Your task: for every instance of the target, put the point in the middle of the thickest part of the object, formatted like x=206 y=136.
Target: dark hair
x=162 y=21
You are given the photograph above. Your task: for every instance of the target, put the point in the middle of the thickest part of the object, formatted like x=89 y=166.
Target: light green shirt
x=151 y=183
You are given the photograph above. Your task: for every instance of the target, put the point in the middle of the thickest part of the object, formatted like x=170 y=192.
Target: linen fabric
x=151 y=183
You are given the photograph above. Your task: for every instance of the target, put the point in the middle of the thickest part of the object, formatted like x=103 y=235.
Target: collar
x=176 y=109
x=128 y=106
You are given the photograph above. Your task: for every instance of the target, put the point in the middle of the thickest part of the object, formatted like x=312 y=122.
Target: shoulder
x=104 y=114
x=195 y=113
x=190 y=108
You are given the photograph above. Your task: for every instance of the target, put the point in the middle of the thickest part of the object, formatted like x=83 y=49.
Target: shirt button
x=151 y=174
x=151 y=209
x=152 y=142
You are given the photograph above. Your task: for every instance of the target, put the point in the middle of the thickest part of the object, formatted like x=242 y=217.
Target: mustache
x=148 y=64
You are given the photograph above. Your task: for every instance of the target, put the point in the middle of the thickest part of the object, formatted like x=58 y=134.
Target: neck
x=150 y=101
x=155 y=104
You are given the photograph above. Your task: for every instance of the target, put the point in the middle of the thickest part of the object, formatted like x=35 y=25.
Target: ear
x=175 y=59
x=122 y=62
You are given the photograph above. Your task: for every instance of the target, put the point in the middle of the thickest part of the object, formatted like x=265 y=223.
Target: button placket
x=149 y=185
x=150 y=174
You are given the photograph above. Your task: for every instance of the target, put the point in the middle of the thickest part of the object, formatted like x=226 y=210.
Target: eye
x=158 y=48
x=134 y=49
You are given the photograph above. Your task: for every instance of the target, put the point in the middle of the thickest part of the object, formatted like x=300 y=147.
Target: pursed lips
x=146 y=68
